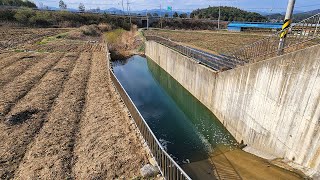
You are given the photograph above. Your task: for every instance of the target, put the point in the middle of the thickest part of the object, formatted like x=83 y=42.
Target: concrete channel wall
x=273 y=105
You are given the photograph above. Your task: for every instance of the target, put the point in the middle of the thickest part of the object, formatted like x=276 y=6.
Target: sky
x=270 y=6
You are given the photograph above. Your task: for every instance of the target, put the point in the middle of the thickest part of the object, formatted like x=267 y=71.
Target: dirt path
x=108 y=147
x=26 y=118
x=51 y=152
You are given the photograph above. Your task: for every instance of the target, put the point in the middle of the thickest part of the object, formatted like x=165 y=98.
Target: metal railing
x=213 y=61
x=168 y=167
x=300 y=35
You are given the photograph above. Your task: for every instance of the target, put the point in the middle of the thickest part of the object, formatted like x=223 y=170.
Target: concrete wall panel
x=273 y=105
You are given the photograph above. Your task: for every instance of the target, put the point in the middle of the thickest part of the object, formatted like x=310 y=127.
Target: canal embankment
x=272 y=106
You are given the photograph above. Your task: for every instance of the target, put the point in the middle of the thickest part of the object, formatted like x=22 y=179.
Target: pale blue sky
x=254 y=5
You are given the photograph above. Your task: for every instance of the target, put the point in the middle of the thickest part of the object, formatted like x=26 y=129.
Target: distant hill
x=278 y=17
x=113 y=11
x=297 y=17
x=24 y=3
x=159 y=12
x=228 y=14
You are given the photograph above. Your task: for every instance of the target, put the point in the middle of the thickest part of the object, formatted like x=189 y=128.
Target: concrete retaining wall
x=273 y=105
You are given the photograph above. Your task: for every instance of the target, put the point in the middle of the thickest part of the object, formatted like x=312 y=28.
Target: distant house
x=253 y=26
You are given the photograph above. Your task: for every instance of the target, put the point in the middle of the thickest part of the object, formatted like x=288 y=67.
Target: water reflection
x=182 y=124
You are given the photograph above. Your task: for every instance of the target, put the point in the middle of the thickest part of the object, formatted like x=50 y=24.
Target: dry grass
x=91 y=30
x=216 y=42
x=121 y=43
x=104 y=27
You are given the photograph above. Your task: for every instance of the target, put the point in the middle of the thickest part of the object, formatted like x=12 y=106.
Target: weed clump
x=122 y=43
x=91 y=30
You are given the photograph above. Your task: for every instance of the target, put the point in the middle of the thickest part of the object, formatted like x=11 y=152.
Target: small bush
x=42 y=19
x=7 y=15
x=23 y=15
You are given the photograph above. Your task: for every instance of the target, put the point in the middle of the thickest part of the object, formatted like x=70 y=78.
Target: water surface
x=184 y=126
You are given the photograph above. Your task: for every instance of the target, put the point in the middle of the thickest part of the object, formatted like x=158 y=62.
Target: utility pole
x=127 y=7
x=147 y=19
x=219 y=16
x=128 y=12
x=122 y=7
x=285 y=26
x=171 y=12
x=130 y=16
x=160 y=17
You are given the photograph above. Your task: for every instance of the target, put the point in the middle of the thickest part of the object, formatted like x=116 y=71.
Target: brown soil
x=13 y=91
x=60 y=117
x=66 y=45
x=10 y=58
x=28 y=115
x=58 y=132
x=11 y=37
x=217 y=42
x=108 y=147
x=19 y=67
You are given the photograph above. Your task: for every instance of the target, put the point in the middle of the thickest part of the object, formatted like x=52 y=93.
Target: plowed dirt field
x=60 y=116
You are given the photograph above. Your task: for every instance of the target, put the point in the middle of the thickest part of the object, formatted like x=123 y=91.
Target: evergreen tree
x=175 y=14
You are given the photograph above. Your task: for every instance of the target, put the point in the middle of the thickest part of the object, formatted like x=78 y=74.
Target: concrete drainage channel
x=167 y=166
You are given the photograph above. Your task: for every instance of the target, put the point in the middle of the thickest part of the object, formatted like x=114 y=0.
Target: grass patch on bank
x=114 y=36
x=122 y=43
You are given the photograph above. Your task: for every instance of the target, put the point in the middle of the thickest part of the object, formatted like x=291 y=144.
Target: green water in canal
x=185 y=127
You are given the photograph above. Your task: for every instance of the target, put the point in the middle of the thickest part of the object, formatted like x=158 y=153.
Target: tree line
x=18 y=3
x=38 y=18
x=227 y=14
x=63 y=6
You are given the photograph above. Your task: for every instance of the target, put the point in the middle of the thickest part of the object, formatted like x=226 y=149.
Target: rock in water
x=149 y=171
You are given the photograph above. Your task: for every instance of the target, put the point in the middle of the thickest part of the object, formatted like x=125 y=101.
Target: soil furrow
x=51 y=152
x=27 y=116
x=15 y=90
x=4 y=54
x=7 y=61
x=9 y=73
x=107 y=146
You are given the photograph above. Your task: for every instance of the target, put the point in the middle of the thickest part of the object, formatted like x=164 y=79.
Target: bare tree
x=41 y=6
x=62 y=5
x=82 y=8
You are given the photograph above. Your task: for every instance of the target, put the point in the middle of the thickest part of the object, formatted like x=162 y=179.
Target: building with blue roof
x=242 y=26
